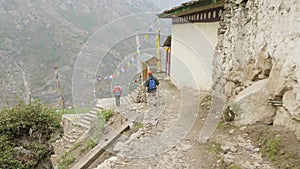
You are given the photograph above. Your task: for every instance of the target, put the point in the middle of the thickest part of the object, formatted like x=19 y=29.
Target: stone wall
x=257 y=61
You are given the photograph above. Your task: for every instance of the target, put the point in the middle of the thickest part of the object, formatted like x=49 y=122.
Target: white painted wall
x=192 y=54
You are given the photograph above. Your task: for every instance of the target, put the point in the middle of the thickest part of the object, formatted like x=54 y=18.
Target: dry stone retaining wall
x=257 y=61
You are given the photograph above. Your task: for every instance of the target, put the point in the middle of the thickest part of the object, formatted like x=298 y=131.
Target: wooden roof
x=190 y=7
x=146 y=57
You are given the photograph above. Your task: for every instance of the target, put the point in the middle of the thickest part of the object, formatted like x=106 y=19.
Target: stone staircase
x=81 y=128
x=87 y=120
x=73 y=136
x=89 y=117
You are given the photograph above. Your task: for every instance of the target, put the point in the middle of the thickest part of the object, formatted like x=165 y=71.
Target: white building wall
x=192 y=54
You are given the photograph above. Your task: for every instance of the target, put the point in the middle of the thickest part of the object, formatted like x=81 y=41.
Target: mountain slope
x=37 y=35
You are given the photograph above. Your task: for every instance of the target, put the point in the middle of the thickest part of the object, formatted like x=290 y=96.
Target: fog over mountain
x=36 y=36
x=167 y=4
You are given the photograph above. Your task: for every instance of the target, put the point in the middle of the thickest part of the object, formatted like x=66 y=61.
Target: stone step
x=89 y=118
x=76 y=130
x=73 y=140
x=93 y=116
x=74 y=134
x=86 y=126
x=66 y=139
x=93 y=112
x=69 y=146
x=69 y=136
x=84 y=121
x=95 y=109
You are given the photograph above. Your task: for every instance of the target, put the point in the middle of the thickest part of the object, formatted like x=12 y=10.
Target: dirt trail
x=178 y=130
x=176 y=119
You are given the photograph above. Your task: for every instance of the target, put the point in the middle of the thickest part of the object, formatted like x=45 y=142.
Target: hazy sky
x=167 y=4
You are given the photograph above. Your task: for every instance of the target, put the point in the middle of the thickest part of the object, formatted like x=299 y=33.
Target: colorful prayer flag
x=137 y=40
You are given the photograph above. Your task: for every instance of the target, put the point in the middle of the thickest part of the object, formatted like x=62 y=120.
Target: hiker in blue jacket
x=151 y=85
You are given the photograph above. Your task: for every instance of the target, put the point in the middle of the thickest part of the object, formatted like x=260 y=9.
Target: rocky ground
x=167 y=136
x=155 y=144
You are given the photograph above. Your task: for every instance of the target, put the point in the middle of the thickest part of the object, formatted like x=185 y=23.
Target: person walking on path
x=151 y=85
x=117 y=91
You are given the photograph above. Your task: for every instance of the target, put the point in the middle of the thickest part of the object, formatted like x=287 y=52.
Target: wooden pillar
x=145 y=71
x=169 y=61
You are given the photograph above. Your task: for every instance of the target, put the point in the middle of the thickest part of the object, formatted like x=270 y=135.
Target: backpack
x=152 y=84
x=117 y=93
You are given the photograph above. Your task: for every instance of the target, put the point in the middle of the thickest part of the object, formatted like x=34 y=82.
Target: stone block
x=251 y=105
x=283 y=118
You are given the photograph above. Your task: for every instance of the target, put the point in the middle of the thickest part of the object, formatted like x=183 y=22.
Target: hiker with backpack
x=151 y=85
x=117 y=91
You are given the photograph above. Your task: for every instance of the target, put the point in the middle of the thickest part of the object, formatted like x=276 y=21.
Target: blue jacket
x=146 y=84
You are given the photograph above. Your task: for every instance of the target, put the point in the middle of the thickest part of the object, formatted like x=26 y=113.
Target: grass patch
x=79 y=110
x=223 y=165
x=216 y=148
x=135 y=128
x=275 y=146
x=271 y=144
x=272 y=147
x=90 y=144
x=221 y=124
x=103 y=117
x=76 y=145
x=106 y=114
x=66 y=160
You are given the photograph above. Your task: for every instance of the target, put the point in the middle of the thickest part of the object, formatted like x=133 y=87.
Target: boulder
x=229 y=89
x=283 y=118
x=291 y=103
x=251 y=105
x=118 y=147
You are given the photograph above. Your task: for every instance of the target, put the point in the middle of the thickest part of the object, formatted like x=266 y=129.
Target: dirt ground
x=258 y=146
x=245 y=147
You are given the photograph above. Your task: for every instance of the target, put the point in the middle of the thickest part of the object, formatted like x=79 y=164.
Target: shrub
x=106 y=114
x=32 y=122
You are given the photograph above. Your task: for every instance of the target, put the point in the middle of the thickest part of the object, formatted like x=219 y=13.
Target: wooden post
x=169 y=59
x=60 y=90
x=158 y=55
